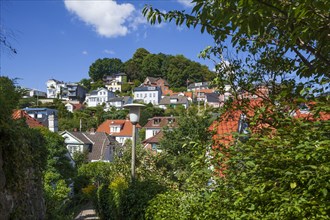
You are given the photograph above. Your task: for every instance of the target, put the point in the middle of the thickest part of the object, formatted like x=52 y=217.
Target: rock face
x=25 y=201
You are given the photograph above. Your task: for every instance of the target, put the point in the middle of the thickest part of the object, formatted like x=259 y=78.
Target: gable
x=69 y=138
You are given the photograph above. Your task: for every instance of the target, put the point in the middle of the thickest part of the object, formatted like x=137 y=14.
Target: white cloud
x=186 y=3
x=109 y=51
x=84 y=52
x=108 y=18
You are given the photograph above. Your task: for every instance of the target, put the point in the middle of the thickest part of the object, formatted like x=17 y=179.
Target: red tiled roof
x=78 y=106
x=229 y=121
x=126 y=127
x=225 y=127
x=164 y=121
x=154 y=139
x=31 y=122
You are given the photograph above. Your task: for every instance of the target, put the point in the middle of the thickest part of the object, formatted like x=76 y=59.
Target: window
x=154 y=147
x=154 y=132
x=154 y=95
x=73 y=148
x=156 y=121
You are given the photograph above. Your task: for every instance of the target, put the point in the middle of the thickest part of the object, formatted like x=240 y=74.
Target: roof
x=40 y=109
x=95 y=92
x=204 y=91
x=167 y=100
x=229 y=122
x=116 y=99
x=76 y=106
x=31 y=122
x=197 y=85
x=120 y=74
x=153 y=80
x=80 y=135
x=154 y=139
x=100 y=142
x=126 y=127
x=212 y=97
x=147 y=88
x=164 y=121
x=225 y=127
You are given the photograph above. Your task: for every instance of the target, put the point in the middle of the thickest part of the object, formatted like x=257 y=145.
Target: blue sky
x=61 y=39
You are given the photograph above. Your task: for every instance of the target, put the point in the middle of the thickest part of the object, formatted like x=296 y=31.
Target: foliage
x=175 y=69
x=104 y=67
x=133 y=66
x=279 y=169
x=86 y=83
x=285 y=28
x=115 y=114
x=183 y=146
x=148 y=112
x=80 y=158
x=58 y=175
x=126 y=88
x=136 y=197
x=97 y=84
x=63 y=113
x=56 y=193
x=23 y=156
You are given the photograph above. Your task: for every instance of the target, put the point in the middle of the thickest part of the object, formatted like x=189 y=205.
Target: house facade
x=35 y=93
x=46 y=116
x=65 y=91
x=99 y=145
x=148 y=94
x=114 y=82
x=118 y=102
x=173 y=102
x=157 y=81
x=74 y=106
x=212 y=100
x=121 y=130
x=31 y=122
x=98 y=97
x=154 y=131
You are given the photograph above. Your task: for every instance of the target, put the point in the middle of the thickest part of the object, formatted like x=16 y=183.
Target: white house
x=174 y=101
x=99 y=145
x=66 y=91
x=118 y=102
x=35 y=93
x=113 y=83
x=53 y=88
x=148 y=94
x=98 y=97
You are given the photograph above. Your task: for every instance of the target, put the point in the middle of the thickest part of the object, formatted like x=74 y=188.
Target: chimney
x=92 y=131
x=52 y=123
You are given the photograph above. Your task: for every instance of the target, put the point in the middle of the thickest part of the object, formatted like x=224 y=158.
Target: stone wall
x=24 y=202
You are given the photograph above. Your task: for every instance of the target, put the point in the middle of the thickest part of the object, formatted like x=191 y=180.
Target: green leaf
x=293 y=185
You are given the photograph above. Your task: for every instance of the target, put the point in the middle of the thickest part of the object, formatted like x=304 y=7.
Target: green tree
x=104 y=67
x=148 y=112
x=182 y=145
x=278 y=171
x=86 y=83
x=58 y=176
x=294 y=34
x=23 y=159
x=152 y=66
x=134 y=65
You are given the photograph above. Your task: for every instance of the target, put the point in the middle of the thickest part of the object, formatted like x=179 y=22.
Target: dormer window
x=171 y=120
x=157 y=121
